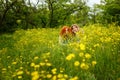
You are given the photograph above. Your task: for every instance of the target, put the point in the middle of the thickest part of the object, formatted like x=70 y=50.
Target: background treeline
x=23 y=14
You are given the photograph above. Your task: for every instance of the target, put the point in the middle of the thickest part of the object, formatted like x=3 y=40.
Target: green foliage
x=108 y=12
x=22 y=14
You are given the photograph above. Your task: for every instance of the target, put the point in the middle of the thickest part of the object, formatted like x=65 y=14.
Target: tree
x=110 y=11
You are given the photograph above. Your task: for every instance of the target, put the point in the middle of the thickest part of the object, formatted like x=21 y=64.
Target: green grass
x=35 y=54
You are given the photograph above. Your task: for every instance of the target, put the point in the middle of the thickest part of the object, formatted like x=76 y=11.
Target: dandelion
x=4 y=69
x=36 y=57
x=74 y=78
x=70 y=56
x=76 y=63
x=32 y=64
x=35 y=75
x=21 y=67
x=36 y=66
x=94 y=63
x=46 y=60
x=96 y=45
x=60 y=75
x=81 y=54
x=62 y=70
x=14 y=63
x=54 y=70
x=84 y=66
x=87 y=55
x=42 y=64
x=48 y=64
x=19 y=72
x=48 y=75
x=54 y=77
x=19 y=77
x=65 y=76
x=82 y=46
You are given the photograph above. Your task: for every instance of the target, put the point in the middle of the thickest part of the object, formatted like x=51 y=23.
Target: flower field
x=36 y=54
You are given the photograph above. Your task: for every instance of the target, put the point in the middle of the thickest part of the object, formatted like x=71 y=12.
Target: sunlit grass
x=35 y=54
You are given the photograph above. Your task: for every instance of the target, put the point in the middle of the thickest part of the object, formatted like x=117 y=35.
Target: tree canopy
x=24 y=14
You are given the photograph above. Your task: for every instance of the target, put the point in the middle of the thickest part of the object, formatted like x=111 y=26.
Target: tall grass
x=35 y=54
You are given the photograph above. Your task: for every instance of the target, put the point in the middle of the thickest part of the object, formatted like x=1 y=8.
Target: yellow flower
x=14 y=62
x=54 y=77
x=19 y=72
x=36 y=57
x=87 y=55
x=42 y=64
x=36 y=66
x=19 y=77
x=48 y=75
x=81 y=54
x=94 y=63
x=60 y=75
x=70 y=56
x=32 y=64
x=35 y=75
x=76 y=63
x=65 y=76
x=74 y=78
x=96 y=45
x=48 y=64
x=54 y=70
x=82 y=46
x=4 y=69
x=84 y=66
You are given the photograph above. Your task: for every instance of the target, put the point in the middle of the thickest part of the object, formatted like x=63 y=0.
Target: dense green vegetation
x=34 y=55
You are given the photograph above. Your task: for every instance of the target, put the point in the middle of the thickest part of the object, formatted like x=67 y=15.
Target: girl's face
x=75 y=28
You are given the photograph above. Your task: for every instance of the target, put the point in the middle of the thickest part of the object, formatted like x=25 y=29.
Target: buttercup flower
x=76 y=63
x=70 y=56
x=87 y=55
x=84 y=66
x=82 y=46
x=94 y=63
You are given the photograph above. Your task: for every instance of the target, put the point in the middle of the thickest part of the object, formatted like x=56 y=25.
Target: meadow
x=35 y=54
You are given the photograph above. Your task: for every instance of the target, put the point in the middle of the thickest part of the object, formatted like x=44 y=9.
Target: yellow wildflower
x=54 y=70
x=94 y=63
x=35 y=75
x=81 y=54
x=42 y=64
x=84 y=66
x=36 y=57
x=19 y=77
x=48 y=64
x=76 y=63
x=32 y=64
x=60 y=75
x=36 y=66
x=14 y=62
x=65 y=76
x=87 y=55
x=74 y=78
x=70 y=56
x=19 y=72
x=54 y=77
x=48 y=75
x=4 y=69
x=82 y=46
